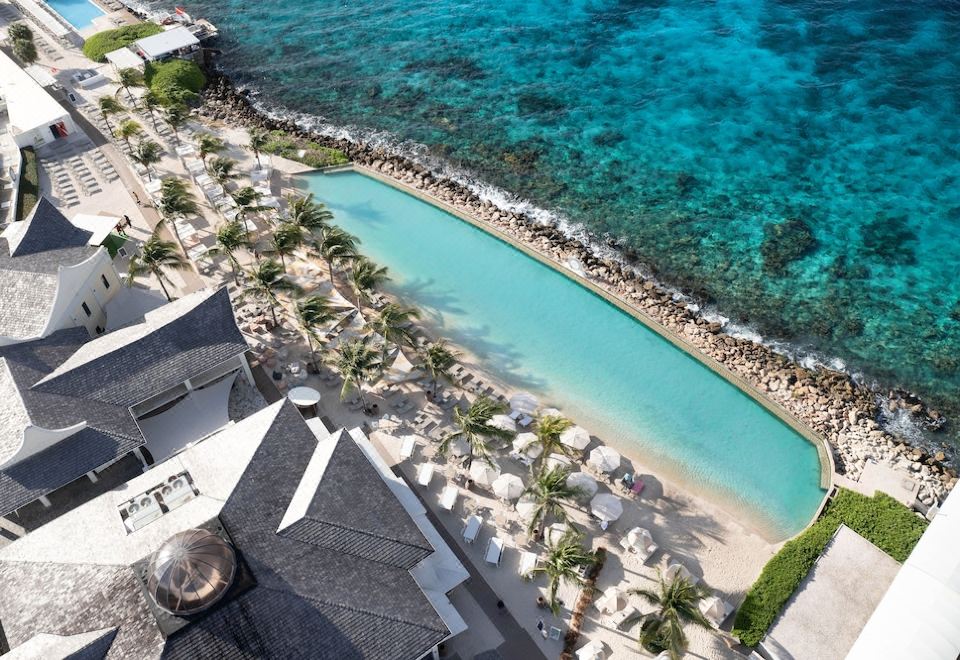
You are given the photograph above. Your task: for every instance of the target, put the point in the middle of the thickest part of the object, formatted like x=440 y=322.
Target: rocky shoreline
x=829 y=402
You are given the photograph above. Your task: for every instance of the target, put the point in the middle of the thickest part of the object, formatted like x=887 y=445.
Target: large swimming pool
x=79 y=13
x=543 y=332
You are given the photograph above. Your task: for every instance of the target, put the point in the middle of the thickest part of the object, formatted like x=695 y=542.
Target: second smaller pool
x=79 y=13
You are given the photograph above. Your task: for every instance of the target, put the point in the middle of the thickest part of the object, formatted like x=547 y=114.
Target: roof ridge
x=313 y=518
x=359 y=610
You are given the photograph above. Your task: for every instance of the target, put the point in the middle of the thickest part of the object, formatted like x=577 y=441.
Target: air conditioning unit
x=177 y=491
x=140 y=511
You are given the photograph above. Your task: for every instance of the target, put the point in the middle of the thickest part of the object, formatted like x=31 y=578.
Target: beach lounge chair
x=555 y=632
x=618 y=618
x=528 y=562
x=425 y=474
x=448 y=498
x=472 y=528
x=637 y=488
x=407 y=447
x=494 y=551
x=525 y=421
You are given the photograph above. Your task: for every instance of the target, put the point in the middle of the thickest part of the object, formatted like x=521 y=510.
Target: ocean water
x=545 y=333
x=794 y=163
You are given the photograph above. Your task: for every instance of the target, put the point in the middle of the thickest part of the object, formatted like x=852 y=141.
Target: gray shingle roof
x=30 y=258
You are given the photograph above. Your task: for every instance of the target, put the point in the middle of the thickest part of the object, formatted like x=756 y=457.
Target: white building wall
x=84 y=283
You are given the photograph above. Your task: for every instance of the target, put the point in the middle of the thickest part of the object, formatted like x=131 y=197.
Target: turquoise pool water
x=541 y=331
x=79 y=13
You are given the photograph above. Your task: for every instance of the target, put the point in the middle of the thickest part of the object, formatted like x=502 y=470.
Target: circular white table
x=303 y=397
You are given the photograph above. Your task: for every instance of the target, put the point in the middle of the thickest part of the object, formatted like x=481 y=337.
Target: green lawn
x=880 y=519
x=29 y=191
x=101 y=43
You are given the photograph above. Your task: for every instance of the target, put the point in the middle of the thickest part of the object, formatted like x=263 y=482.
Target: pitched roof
x=31 y=254
x=308 y=600
x=91 y=645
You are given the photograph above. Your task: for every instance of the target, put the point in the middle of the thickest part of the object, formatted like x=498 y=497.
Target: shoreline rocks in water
x=829 y=402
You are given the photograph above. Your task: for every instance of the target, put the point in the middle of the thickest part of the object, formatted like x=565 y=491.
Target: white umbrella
x=611 y=601
x=713 y=608
x=459 y=447
x=606 y=507
x=484 y=473
x=523 y=441
x=503 y=422
x=638 y=537
x=595 y=650
x=526 y=506
x=604 y=458
x=507 y=486
x=524 y=402
x=576 y=437
x=584 y=482
x=555 y=532
x=557 y=460
x=550 y=412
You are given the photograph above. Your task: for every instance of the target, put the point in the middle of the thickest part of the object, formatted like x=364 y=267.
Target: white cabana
x=507 y=486
x=576 y=437
x=675 y=571
x=611 y=601
x=584 y=482
x=715 y=609
x=604 y=458
x=124 y=58
x=525 y=507
x=524 y=402
x=194 y=417
x=503 y=422
x=484 y=473
x=594 y=650
x=606 y=506
x=402 y=370
x=638 y=537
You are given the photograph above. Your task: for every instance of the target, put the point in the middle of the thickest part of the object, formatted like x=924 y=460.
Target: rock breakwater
x=830 y=403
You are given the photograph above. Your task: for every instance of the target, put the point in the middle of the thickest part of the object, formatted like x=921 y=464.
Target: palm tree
x=357 y=362
x=223 y=169
x=437 y=359
x=365 y=277
x=19 y=31
x=129 y=128
x=175 y=116
x=129 y=78
x=157 y=256
x=549 y=491
x=258 y=140
x=231 y=237
x=176 y=200
x=151 y=103
x=336 y=246
x=549 y=429
x=266 y=281
x=563 y=563
x=147 y=153
x=209 y=144
x=394 y=323
x=310 y=215
x=473 y=426
x=313 y=313
x=286 y=238
x=109 y=106
x=25 y=50
x=677 y=602
x=245 y=198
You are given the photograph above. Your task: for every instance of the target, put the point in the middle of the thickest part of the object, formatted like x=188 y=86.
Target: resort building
x=174 y=42
x=72 y=406
x=52 y=278
x=34 y=117
x=271 y=538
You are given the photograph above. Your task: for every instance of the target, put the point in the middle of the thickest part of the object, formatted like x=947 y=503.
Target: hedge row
x=174 y=81
x=285 y=145
x=880 y=519
x=98 y=45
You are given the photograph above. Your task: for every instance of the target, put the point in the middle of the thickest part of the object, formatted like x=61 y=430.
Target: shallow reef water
x=794 y=163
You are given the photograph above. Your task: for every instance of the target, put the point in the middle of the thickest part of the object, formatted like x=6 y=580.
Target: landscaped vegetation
x=308 y=152
x=97 y=46
x=29 y=191
x=21 y=42
x=880 y=519
x=174 y=82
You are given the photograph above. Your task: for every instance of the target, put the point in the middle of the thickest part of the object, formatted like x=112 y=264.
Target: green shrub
x=314 y=154
x=28 y=194
x=97 y=46
x=174 y=81
x=880 y=519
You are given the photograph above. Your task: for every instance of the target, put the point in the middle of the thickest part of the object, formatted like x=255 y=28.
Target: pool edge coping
x=820 y=443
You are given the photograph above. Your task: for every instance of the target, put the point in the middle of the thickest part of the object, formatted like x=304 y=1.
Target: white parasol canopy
x=523 y=441
x=557 y=460
x=503 y=422
x=713 y=608
x=508 y=486
x=583 y=481
x=638 y=537
x=604 y=458
x=595 y=650
x=525 y=507
x=550 y=412
x=484 y=473
x=606 y=507
x=402 y=370
x=524 y=402
x=611 y=601
x=576 y=437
